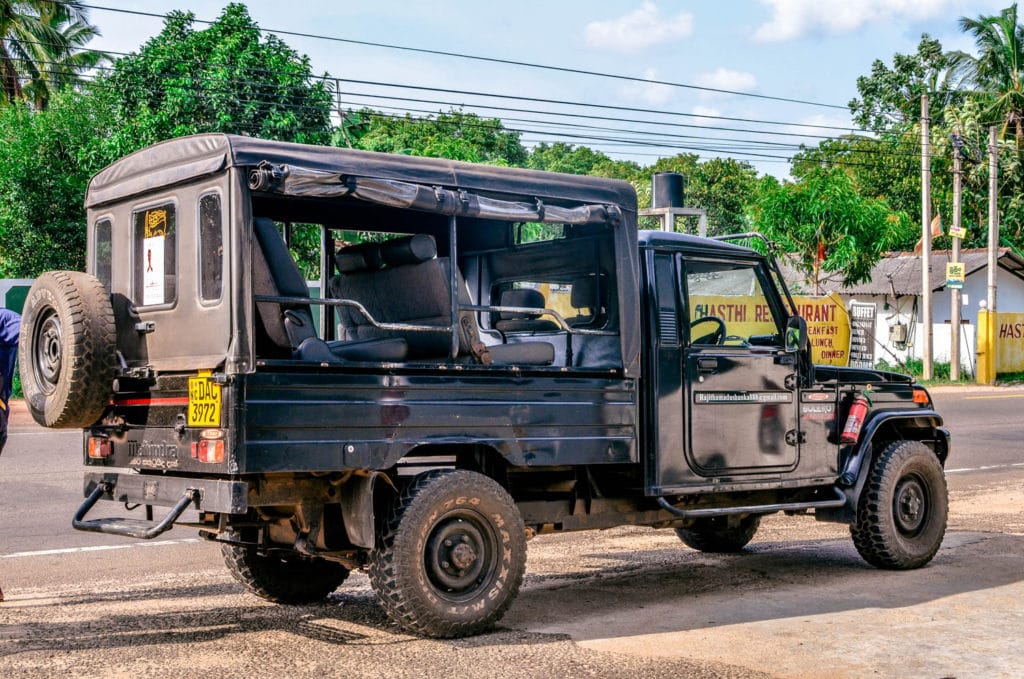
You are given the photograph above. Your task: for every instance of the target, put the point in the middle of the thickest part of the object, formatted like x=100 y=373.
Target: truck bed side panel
x=307 y=421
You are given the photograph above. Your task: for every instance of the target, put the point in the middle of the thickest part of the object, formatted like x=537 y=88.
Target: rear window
x=211 y=248
x=102 y=252
x=155 y=256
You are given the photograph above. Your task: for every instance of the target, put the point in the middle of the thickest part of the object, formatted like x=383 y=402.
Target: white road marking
x=985 y=468
x=98 y=548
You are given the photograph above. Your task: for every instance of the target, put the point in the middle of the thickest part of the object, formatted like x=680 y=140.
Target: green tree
x=60 y=64
x=456 y=135
x=227 y=77
x=40 y=47
x=997 y=72
x=824 y=208
x=890 y=97
x=49 y=157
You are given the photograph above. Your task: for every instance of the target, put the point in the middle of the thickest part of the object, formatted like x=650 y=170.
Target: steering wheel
x=716 y=336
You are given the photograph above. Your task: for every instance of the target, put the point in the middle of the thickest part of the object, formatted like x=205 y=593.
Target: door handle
x=707 y=365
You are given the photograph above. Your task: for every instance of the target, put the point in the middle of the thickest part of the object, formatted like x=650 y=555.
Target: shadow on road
x=772 y=581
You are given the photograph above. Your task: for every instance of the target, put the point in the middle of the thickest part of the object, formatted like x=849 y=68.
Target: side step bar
x=133 y=528
x=707 y=512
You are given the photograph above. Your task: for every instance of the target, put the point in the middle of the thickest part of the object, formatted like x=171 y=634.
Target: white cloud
x=654 y=94
x=726 y=79
x=712 y=113
x=792 y=19
x=639 y=29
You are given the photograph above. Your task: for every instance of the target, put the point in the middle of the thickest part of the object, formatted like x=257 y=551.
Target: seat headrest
x=408 y=250
x=522 y=297
x=589 y=292
x=361 y=257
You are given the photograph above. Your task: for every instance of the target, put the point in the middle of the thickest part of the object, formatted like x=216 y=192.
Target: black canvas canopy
x=434 y=185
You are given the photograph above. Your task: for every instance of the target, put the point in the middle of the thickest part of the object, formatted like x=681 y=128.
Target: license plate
x=203 y=402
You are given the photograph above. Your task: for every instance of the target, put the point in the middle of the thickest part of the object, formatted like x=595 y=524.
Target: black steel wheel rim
x=47 y=349
x=910 y=505
x=461 y=555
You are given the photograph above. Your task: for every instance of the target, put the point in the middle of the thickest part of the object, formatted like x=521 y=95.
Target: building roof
x=899 y=273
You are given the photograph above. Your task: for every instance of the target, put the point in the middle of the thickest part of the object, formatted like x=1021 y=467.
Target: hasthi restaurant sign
x=828 y=322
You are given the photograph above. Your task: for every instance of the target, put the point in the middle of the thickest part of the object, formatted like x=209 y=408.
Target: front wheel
x=901 y=516
x=451 y=556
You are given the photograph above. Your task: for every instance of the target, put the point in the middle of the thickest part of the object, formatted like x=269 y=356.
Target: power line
x=496 y=60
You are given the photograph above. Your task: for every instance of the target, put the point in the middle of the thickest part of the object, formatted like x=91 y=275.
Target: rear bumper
x=213 y=495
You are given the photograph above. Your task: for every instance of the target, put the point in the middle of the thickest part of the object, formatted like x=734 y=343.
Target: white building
x=895 y=292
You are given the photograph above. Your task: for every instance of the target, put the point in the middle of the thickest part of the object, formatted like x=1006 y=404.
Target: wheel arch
x=365 y=497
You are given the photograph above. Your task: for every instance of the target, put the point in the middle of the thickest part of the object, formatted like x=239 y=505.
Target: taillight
x=921 y=396
x=99 y=447
x=210 y=447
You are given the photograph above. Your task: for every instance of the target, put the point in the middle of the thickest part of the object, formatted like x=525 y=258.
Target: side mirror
x=796 y=334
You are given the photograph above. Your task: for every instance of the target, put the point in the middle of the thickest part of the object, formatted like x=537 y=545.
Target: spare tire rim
x=47 y=350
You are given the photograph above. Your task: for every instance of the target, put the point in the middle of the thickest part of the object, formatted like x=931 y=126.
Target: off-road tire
x=901 y=516
x=451 y=555
x=715 y=536
x=283 y=578
x=66 y=351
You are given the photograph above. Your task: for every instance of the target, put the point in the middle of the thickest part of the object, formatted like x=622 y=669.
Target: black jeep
x=490 y=353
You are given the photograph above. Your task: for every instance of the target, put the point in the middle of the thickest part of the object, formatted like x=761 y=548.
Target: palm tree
x=998 y=70
x=41 y=48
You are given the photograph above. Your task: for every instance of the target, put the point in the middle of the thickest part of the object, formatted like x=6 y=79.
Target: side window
x=102 y=252
x=211 y=248
x=155 y=258
x=727 y=305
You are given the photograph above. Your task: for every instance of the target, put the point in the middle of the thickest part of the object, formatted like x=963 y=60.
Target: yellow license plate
x=203 y=402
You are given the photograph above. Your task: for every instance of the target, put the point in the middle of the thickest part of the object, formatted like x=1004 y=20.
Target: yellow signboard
x=828 y=323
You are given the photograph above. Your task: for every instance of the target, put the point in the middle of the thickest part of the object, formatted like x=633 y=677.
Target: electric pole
x=993 y=249
x=926 y=243
x=954 y=312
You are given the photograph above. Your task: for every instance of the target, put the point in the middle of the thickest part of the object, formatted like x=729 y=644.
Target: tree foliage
x=455 y=135
x=227 y=77
x=825 y=208
x=890 y=98
x=997 y=71
x=49 y=157
x=42 y=48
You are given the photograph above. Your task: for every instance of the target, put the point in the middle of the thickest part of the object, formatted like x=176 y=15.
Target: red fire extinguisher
x=854 y=420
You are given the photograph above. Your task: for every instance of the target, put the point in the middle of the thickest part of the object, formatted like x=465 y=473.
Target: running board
x=132 y=528
x=838 y=501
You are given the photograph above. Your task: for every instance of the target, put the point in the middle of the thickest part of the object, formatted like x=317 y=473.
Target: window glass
x=211 y=248
x=731 y=293
x=537 y=232
x=155 y=256
x=102 y=252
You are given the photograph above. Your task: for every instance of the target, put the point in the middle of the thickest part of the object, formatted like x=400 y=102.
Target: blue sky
x=811 y=50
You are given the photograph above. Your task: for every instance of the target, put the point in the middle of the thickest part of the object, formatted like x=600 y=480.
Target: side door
x=741 y=385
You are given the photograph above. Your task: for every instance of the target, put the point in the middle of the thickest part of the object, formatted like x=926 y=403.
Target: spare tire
x=66 y=350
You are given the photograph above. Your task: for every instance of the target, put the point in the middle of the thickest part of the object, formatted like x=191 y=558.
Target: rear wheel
x=67 y=345
x=715 y=535
x=452 y=555
x=284 y=578
x=901 y=516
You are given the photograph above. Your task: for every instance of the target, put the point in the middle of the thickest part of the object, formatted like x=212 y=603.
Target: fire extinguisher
x=854 y=420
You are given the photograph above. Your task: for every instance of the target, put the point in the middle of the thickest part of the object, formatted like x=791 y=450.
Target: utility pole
x=954 y=312
x=926 y=242
x=993 y=248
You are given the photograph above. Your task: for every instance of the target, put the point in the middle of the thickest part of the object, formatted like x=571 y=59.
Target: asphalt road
x=624 y=602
